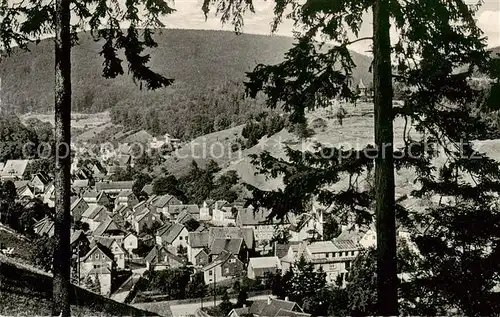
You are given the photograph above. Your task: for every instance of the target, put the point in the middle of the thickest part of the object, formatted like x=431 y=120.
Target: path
x=184 y=310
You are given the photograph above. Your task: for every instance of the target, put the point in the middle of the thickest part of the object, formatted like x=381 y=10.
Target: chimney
x=269 y=300
x=286 y=298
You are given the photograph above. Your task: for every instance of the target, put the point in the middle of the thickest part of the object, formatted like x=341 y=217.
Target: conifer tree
x=26 y=22
x=438 y=49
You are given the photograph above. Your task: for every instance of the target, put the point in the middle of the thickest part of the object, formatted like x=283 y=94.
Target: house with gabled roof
x=148 y=189
x=80 y=185
x=77 y=208
x=258 y=220
x=192 y=210
x=126 y=198
x=173 y=235
x=115 y=248
x=14 y=170
x=49 y=196
x=259 y=267
x=109 y=228
x=93 y=197
x=366 y=236
x=144 y=219
x=231 y=232
x=79 y=243
x=39 y=181
x=159 y=258
x=98 y=257
x=206 y=209
x=44 y=227
x=334 y=257
x=130 y=242
x=201 y=258
x=162 y=203
x=225 y=266
x=197 y=241
x=24 y=190
x=235 y=246
x=271 y=307
x=94 y=216
x=114 y=188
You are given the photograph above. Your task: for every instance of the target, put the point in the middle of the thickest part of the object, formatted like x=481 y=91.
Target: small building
x=197 y=241
x=259 y=267
x=104 y=275
x=39 y=182
x=130 y=243
x=270 y=308
x=93 y=197
x=114 y=188
x=126 y=198
x=94 y=216
x=192 y=210
x=161 y=204
x=77 y=208
x=225 y=266
x=98 y=257
x=145 y=219
x=202 y=258
x=173 y=235
x=161 y=259
x=14 y=170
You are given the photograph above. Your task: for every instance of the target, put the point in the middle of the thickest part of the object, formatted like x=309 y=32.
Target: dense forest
x=198 y=60
x=188 y=114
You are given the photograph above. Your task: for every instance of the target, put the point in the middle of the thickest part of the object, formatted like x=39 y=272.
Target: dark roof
x=198 y=239
x=148 y=189
x=158 y=253
x=164 y=200
x=346 y=244
x=232 y=246
x=252 y=217
x=170 y=231
x=231 y=232
x=177 y=209
x=262 y=308
x=282 y=249
x=121 y=185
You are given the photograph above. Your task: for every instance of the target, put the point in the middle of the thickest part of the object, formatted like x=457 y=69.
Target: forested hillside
x=207 y=96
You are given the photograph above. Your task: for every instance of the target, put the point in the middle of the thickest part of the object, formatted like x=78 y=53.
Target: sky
x=190 y=16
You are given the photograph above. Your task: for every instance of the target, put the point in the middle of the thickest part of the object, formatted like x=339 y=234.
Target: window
x=186 y=238
x=352 y=252
x=180 y=238
x=227 y=270
x=233 y=260
x=210 y=273
x=97 y=256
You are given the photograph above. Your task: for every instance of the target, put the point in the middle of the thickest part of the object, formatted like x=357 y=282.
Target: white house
x=258 y=267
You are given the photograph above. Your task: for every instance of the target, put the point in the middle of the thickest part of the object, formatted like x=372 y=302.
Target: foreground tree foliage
x=22 y=23
x=438 y=49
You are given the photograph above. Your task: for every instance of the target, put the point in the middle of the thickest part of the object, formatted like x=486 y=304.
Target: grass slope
x=27 y=291
x=194 y=58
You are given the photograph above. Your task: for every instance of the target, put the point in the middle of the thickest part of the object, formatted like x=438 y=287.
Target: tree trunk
x=387 y=282
x=62 y=222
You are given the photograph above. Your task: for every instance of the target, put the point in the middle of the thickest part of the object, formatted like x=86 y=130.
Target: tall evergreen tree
x=24 y=23
x=438 y=49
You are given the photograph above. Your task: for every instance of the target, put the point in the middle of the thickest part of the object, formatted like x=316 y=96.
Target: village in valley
x=120 y=238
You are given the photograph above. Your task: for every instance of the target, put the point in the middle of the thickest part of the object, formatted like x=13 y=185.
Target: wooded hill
x=208 y=68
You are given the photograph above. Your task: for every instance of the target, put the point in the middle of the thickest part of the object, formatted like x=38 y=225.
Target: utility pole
x=215 y=293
